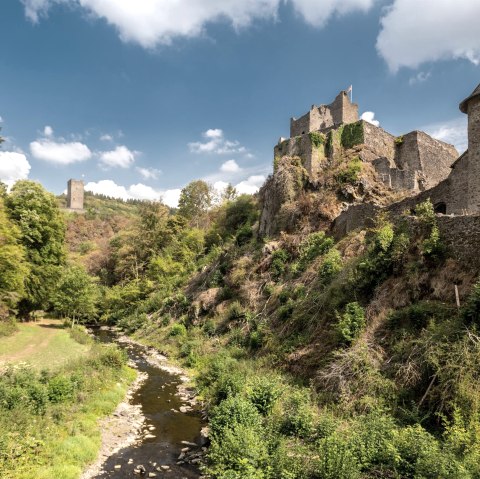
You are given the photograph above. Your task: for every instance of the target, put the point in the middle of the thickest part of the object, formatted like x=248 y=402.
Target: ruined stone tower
x=75 y=194
x=325 y=116
x=471 y=106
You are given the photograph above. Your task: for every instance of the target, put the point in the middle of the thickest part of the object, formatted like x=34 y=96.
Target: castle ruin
x=75 y=194
x=410 y=163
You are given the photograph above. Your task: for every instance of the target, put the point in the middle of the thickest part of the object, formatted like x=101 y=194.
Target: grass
x=45 y=344
x=60 y=442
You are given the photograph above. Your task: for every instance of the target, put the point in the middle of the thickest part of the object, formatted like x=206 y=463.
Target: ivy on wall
x=352 y=135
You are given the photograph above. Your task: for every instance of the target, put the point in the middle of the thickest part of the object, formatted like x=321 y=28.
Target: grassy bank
x=49 y=418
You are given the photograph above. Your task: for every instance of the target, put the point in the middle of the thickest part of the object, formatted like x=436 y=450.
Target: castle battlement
x=324 y=117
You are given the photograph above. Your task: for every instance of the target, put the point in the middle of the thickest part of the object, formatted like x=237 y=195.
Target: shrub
x=351 y=322
x=229 y=384
x=471 y=309
x=278 y=265
x=336 y=459
x=178 y=329
x=351 y=173
x=232 y=412
x=263 y=393
x=112 y=356
x=240 y=453
x=7 y=327
x=235 y=311
x=331 y=266
x=298 y=415
x=60 y=389
x=312 y=246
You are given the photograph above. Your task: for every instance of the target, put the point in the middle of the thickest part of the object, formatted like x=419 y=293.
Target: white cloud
x=61 y=153
x=120 y=157
x=216 y=144
x=48 y=131
x=414 y=32
x=149 y=173
x=453 y=132
x=138 y=191
x=13 y=166
x=153 y=22
x=143 y=192
x=1 y=119
x=171 y=197
x=106 y=138
x=370 y=117
x=251 y=185
x=230 y=166
x=420 y=77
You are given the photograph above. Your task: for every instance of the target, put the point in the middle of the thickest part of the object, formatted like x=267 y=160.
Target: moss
x=317 y=138
x=399 y=140
x=329 y=143
x=352 y=134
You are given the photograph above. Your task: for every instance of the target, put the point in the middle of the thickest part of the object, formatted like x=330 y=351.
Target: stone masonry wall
x=474 y=155
x=75 y=195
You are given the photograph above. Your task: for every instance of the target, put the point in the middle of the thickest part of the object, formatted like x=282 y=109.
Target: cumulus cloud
x=149 y=173
x=453 y=132
x=153 y=22
x=13 y=167
x=414 y=32
x=370 y=117
x=120 y=157
x=251 y=185
x=230 y=166
x=171 y=197
x=48 y=131
x=216 y=143
x=138 y=191
x=106 y=137
x=59 y=152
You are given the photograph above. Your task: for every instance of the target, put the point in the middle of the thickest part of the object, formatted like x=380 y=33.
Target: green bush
x=232 y=412
x=111 y=356
x=80 y=335
x=132 y=322
x=178 y=329
x=298 y=414
x=311 y=247
x=60 y=389
x=351 y=173
x=278 y=266
x=240 y=453
x=263 y=393
x=351 y=323
x=336 y=459
x=331 y=266
x=7 y=327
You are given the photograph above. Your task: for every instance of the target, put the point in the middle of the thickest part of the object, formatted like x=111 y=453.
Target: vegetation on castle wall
x=352 y=134
x=317 y=138
x=350 y=174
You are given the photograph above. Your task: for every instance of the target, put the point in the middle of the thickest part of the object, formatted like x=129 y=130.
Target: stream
x=166 y=431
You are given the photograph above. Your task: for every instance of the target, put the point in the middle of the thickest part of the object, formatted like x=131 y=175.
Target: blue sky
x=139 y=98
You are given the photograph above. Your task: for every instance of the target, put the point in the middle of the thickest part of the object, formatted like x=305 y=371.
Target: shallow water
x=160 y=407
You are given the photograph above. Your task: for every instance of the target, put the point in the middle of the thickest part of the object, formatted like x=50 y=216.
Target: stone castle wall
x=473 y=194
x=322 y=117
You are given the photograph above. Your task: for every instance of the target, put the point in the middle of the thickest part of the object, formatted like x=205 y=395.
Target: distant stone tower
x=471 y=106
x=75 y=195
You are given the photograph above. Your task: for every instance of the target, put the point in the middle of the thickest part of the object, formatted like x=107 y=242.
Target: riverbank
x=118 y=430
x=49 y=421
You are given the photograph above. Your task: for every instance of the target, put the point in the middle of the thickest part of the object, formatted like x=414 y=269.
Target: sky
x=138 y=98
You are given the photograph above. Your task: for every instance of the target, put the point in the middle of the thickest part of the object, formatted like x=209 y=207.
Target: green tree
x=42 y=232
x=195 y=200
x=230 y=193
x=13 y=266
x=76 y=295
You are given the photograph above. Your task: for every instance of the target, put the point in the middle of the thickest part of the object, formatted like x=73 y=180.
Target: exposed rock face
x=280 y=189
